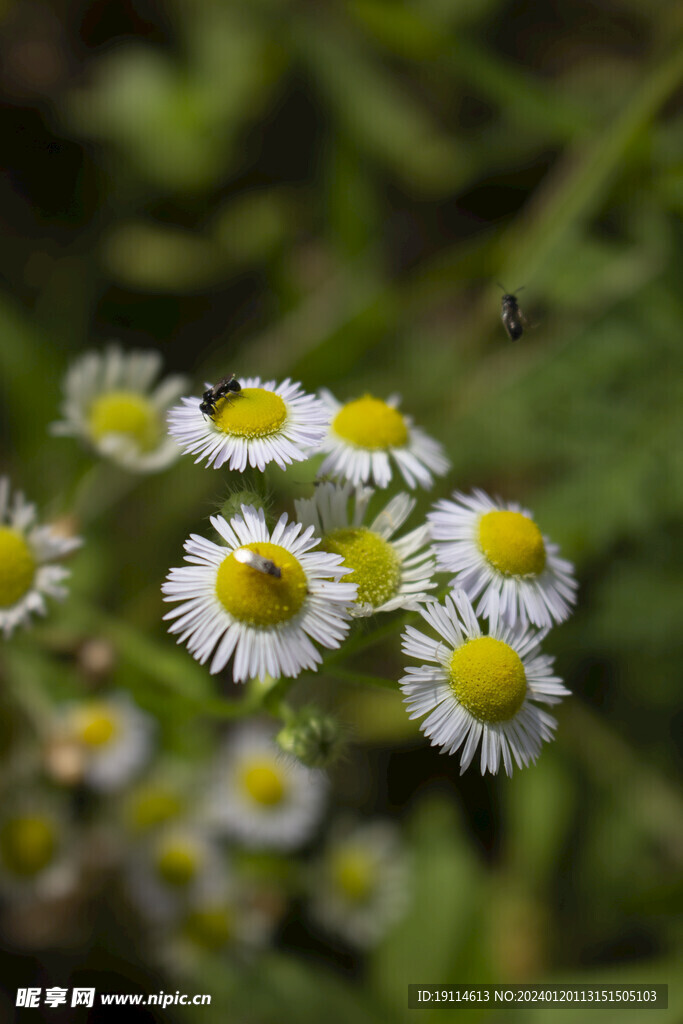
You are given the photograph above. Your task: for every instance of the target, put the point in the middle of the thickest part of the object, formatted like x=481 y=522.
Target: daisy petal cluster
x=111 y=402
x=267 y=620
x=389 y=572
x=480 y=689
x=28 y=552
x=500 y=555
x=262 y=423
x=367 y=435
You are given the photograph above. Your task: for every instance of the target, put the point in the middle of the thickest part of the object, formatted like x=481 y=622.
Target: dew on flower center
x=125 y=412
x=371 y=423
x=488 y=679
x=17 y=566
x=376 y=566
x=353 y=873
x=512 y=543
x=177 y=864
x=257 y=598
x=27 y=844
x=263 y=782
x=253 y=412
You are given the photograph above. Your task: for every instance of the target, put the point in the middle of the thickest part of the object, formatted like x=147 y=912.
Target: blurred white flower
x=37 y=857
x=360 y=885
x=177 y=865
x=260 y=797
x=238 y=918
x=111 y=736
x=112 y=403
x=27 y=552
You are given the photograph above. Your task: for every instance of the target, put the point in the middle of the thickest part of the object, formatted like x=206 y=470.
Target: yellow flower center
x=257 y=598
x=253 y=412
x=128 y=413
x=263 y=782
x=353 y=873
x=154 y=805
x=370 y=423
x=488 y=678
x=512 y=543
x=376 y=566
x=27 y=844
x=17 y=566
x=96 y=725
x=177 y=863
x=211 y=929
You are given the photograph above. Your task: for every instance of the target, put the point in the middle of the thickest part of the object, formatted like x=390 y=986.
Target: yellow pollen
x=370 y=423
x=263 y=782
x=27 y=844
x=376 y=566
x=512 y=543
x=177 y=864
x=96 y=724
x=210 y=928
x=128 y=413
x=353 y=873
x=488 y=678
x=17 y=566
x=257 y=598
x=252 y=412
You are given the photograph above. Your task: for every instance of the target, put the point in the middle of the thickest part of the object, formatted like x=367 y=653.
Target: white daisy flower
x=178 y=866
x=158 y=799
x=360 y=886
x=367 y=433
x=261 y=798
x=27 y=552
x=111 y=736
x=480 y=686
x=35 y=854
x=389 y=573
x=237 y=916
x=499 y=552
x=262 y=423
x=112 y=403
x=263 y=597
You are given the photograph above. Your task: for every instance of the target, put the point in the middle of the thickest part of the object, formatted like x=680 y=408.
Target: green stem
x=362 y=679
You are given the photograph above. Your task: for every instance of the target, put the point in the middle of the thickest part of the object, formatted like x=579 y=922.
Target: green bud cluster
x=312 y=736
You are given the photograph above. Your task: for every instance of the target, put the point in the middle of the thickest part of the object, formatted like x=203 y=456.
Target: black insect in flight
x=513 y=319
x=225 y=387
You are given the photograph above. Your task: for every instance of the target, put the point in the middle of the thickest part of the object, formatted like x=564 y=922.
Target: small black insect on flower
x=227 y=387
x=513 y=319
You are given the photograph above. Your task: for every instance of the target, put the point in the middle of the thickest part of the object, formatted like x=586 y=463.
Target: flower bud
x=313 y=737
x=232 y=506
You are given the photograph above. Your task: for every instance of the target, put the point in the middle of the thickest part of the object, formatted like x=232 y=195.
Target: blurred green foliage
x=332 y=191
